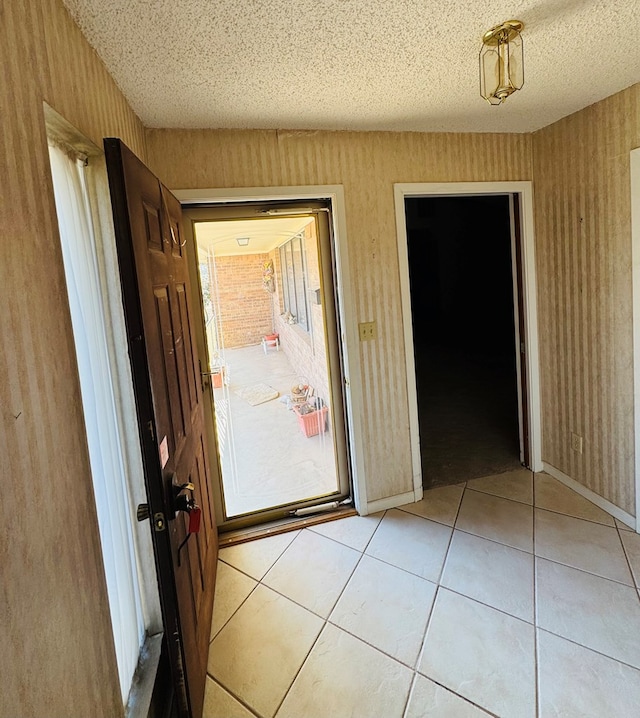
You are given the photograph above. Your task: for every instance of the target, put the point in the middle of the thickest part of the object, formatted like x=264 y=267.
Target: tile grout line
x=374 y=533
x=497 y=496
x=630 y=567
x=412 y=687
x=500 y=543
x=584 y=570
x=573 y=516
x=297 y=673
x=235 y=696
x=420 y=516
x=538 y=630
x=453 y=530
x=534 y=564
x=438 y=587
x=546 y=558
x=342 y=543
x=552 y=511
x=278 y=557
x=325 y=620
x=244 y=600
x=258 y=583
x=417 y=675
x=457 y=695
x=367 y=643
x=437 y=591
x=487 y=605
x=588 y=648
x=404 y=570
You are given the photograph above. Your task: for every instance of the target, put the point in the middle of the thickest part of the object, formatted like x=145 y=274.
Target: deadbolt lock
x=142 y=513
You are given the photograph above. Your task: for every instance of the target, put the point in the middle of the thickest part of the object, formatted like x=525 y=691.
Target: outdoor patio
x=266 y=458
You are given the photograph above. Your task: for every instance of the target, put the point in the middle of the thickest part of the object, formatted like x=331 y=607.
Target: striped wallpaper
x=52 y=593
x=57 y=657
x=583 y=245
x=367 y=165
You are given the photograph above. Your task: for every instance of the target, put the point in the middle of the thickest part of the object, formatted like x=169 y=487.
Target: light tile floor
x=506 y=596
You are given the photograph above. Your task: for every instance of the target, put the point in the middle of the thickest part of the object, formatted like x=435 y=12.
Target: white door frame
x=348 y=339
x=449 y=189
x=635 y=278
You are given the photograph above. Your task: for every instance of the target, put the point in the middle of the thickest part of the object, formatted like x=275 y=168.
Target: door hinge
x=151 y=431
x=521 y=347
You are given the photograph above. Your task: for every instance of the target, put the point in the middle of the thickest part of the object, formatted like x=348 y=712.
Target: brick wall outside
x=245 y=306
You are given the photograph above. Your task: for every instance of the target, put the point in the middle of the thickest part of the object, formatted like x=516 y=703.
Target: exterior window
x=92 y=321
x=294 y=280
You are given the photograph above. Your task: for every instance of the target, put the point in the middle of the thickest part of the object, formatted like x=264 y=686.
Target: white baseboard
x=391 y=502
x=596 y=499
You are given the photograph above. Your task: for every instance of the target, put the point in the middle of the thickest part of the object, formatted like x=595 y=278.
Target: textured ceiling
x=349 y=64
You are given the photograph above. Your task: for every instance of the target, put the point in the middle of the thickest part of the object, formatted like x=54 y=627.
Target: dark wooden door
x=155 y=285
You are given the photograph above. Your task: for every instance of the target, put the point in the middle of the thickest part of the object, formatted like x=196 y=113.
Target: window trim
x=62 y=134
x=290 y=299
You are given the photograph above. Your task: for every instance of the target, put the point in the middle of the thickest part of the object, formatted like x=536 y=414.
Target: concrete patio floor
x=266 y=458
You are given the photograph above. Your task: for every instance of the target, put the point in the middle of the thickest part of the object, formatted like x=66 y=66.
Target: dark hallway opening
x=464 y=336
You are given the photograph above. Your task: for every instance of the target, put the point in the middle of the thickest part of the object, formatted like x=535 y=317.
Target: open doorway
x=464 y=333
x=449 y=326
x=271 y=359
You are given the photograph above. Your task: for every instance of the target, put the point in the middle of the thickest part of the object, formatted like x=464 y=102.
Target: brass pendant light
x=501 y=62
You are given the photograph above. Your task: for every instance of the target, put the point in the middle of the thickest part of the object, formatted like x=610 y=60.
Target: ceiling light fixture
x=501 y=62
x=242 y=241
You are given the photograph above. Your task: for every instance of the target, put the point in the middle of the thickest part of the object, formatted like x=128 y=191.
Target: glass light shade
x=501 y=63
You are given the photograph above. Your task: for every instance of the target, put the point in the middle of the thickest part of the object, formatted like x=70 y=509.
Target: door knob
x=183 y=502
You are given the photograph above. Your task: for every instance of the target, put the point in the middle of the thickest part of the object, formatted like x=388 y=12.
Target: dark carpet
x=468 y=417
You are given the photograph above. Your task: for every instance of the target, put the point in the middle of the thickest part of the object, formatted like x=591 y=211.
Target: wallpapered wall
x=580 y=170
x=367 y=165
x=57 y=656
x=583 y=243
x=54 y=619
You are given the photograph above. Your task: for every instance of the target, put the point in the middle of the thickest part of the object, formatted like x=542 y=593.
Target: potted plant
x=312 y=417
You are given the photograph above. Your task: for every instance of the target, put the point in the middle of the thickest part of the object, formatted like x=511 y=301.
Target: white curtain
x=100 y=412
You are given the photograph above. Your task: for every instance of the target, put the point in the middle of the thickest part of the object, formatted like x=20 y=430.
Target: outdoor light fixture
x=501 y=62
x=242 y=241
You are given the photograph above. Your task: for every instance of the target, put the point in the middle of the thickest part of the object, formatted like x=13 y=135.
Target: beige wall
x=57 y=657
x=580 y=168
x=367 y=164
x=583 y=242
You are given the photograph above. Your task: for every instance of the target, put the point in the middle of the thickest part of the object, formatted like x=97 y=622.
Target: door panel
x=154 y=276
